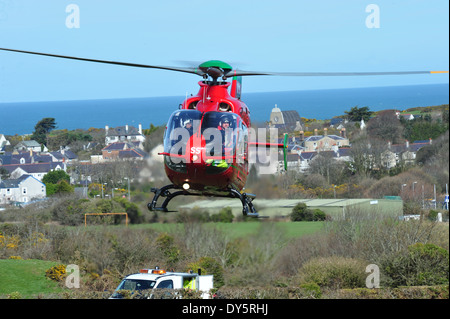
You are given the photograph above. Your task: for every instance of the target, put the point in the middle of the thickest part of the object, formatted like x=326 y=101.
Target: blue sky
x=260 y=35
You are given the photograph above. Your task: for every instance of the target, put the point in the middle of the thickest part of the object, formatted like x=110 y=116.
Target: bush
x=334 y=272
x=209 y=266
x=166 y=244
x=131 y=209
x=56 y=273
x=312 y=289
x=319 y=215
x=194 y=215
x=57 y=182
x=302 y=213
x=224 y=216
x=422 y=264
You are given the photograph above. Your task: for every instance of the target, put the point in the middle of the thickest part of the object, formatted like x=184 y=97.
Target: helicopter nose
x=196 y=148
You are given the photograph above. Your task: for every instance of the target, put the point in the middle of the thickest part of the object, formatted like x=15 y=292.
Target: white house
x=37 y=170
x=21 y=190
x=125 y=133
x=3 y=142
x=30 y=146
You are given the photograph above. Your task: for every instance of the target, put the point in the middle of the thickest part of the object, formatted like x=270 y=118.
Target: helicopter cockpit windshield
x=217 y=129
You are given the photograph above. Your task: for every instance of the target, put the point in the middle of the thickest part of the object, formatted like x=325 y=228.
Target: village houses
x=125 y=133
x=405 y=152
x=23 y=169
x=21 y=190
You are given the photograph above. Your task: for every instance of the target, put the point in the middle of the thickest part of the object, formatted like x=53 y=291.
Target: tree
x=63 y=187
x=386 y=127
x=423 y=129
x=57 y=182
x=325 y=165
x=4 y=173
x=55 y=176
x=358 y=114
x=367 y=156
x=42 y=128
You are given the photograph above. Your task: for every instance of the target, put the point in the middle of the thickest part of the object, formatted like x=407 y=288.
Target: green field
x=242 y=229
x=27 y=277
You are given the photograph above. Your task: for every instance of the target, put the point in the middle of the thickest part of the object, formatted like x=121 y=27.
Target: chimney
x=106 y=129
x=325 y=131
x=431 y=141
x=407 y=144
x=389 y=145
x=302 y=136
x=126 y=128
x=315 y=132
x=140 y=128
x=343 y=132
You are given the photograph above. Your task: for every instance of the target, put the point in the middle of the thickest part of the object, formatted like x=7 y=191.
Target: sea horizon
x=21 y=117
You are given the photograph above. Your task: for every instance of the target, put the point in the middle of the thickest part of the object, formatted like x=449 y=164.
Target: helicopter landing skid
x=246 y=199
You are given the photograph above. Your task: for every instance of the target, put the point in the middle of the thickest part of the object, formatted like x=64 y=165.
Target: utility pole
x=434 y=189
x=446 y=196
x=423 y=198
x=129 y=198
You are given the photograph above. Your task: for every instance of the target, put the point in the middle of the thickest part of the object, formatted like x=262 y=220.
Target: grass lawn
x=242 y=229
x=26 y=277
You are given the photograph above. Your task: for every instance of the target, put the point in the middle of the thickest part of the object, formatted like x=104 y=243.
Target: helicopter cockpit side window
x=180 y=127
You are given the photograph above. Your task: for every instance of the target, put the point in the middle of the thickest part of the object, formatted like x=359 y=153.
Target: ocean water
x=20 y=118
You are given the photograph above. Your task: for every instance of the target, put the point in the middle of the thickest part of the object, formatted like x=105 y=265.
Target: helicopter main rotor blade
x=251 y=73
x=186 y=70
x=217 y=70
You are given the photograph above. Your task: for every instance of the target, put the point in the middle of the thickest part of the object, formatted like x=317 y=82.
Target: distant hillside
x=427 y=109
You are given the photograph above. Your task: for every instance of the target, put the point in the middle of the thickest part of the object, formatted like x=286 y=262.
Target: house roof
x=15 y=183
x=345 y=151
x=60 y=155
x=118 y=146
x=319 y=137
x=33 y=168
x=336 y=120
x=122 y=131
x=11 y=158
x=291 y=117
x=31 y=143
x=308 y=155
x=413 y=147
x=341 y=152
x=132 y=153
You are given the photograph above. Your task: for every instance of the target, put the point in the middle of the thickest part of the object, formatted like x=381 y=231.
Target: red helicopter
x=206 y=142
